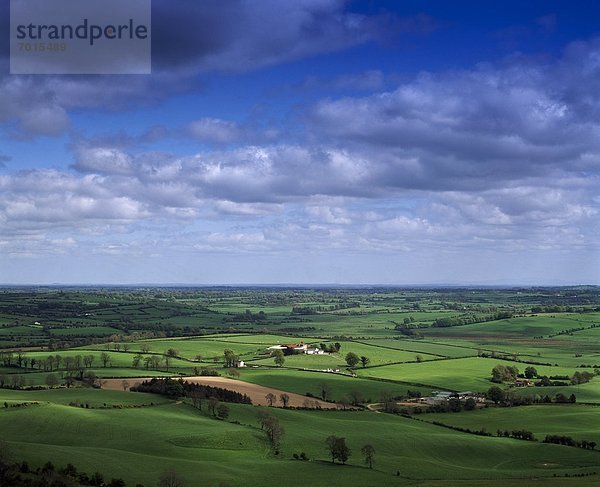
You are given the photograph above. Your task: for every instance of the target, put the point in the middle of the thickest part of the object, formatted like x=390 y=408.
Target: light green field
x=263 y=340
x=318 y=362
x=117 y=359
x=190 y=348
x=520 y=329
x=94 y=397
x=468 y=374
x=376 y=355
x=589 y=392
x=426 y=347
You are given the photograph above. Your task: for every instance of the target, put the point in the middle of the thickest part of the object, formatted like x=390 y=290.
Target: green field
x=468 y=374
x=579 y=422
x=137 y=436
x=195 y=445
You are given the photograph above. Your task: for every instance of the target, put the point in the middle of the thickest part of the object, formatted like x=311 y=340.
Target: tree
x=17 y=381
x=90 y=378
x=222 y=411
x=356 y=397
x=502 y=373
x=154 y=361
x=338 y=449
x=88 y=360
x=145 y=348
x=137 y=358
x=97 y=479
x=352 y=359
x=233 y=373
x=230 y=358
x=171 y=352
x=343 y=403
x=419 y=358
x=125 y=384
x=105 y=359
x=269 y=423
x=279 y=358
x=213 y=402
x=170 y=478
x=263 y=416
x=389 y=403
x=167 y=360
x=196 y=395
x=369 y=452
x=495 y=394
x=285 y=399
x=470 y=404
x=271 y=398
x=530 y=372
x=364 y=360
x=325 y=390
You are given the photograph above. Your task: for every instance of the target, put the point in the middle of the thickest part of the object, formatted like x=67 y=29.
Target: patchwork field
x=112 y=339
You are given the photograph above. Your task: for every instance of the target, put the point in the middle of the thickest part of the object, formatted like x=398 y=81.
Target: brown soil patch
x=253 y=391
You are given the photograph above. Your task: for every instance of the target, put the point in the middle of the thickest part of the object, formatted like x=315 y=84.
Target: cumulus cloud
x=505 y=157
x=215 y=130
x=193 y=39
x=242 y=35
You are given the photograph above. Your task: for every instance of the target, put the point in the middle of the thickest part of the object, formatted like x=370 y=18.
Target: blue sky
x=315 y=141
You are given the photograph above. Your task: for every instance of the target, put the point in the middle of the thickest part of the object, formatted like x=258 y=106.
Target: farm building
x=520 y=382
x=291 y=348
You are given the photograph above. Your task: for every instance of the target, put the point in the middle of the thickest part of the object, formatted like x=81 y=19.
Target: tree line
x=178 y=388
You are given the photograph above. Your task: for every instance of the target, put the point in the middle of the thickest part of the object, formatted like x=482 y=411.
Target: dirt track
x=253 y=391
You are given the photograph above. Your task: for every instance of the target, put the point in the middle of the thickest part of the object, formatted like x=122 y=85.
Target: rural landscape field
x=410 y=379
x=299 y=243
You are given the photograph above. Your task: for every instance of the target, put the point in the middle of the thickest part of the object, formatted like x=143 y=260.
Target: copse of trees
x=470 y=319
x=330 y=347
x=270 y=424
x=178 y=388
x=279 y=358
x=352 y=359
x=338 y=450
x=569 y=441
x=503 y=373
x=369 y=453
x=230 y=358
x=582 y=377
